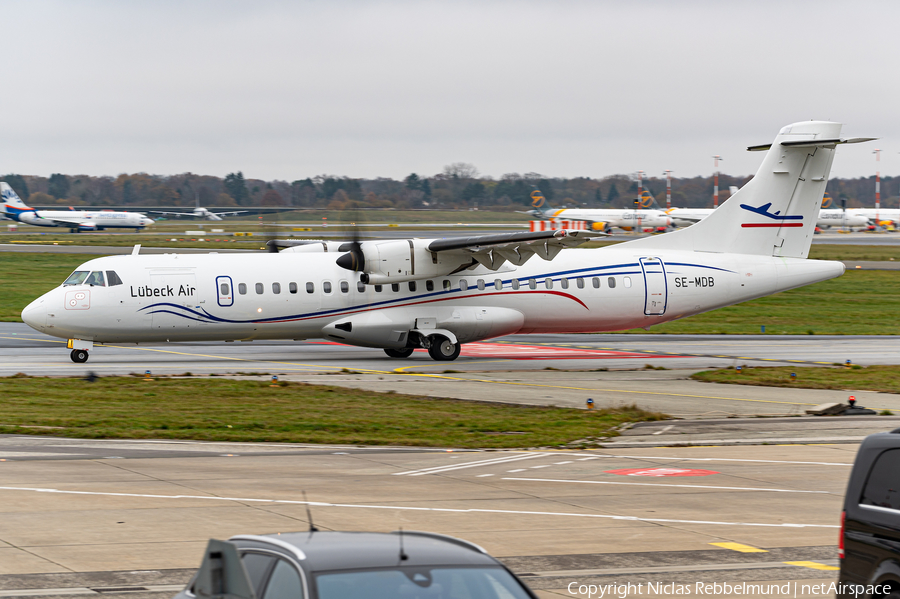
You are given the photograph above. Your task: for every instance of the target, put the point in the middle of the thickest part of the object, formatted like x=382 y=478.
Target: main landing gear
x=440 y=348
x=79 y=356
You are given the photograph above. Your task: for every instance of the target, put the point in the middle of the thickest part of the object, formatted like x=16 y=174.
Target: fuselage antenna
x=403 y=556
x=312 y=527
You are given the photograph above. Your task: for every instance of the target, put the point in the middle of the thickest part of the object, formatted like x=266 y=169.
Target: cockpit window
x=112 y=278
x=77 y=277
x=96 y=278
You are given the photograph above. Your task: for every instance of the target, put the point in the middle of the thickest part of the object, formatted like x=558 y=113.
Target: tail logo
x=537 y=198
x=646 y=199
x=764 y=211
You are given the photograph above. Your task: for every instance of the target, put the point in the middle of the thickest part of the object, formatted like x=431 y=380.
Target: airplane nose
x=147 y=221
x=34 y=313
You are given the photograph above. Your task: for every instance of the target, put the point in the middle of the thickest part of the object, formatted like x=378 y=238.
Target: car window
x=425 y=583
x=257 y=566
x=882 y=488
x=284 y=583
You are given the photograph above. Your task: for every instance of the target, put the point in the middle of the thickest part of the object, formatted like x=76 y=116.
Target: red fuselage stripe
x=772 y=225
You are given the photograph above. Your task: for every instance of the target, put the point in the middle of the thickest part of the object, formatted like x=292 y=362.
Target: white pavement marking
x=662 y=430
x=420 y=509
x=445 y=468
x=676 y=458
x=517 y=470
x=613 y=482
x=561 y=463
x=145 y=588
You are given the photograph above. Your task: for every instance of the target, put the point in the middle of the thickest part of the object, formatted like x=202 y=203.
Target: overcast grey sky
x=287 y=90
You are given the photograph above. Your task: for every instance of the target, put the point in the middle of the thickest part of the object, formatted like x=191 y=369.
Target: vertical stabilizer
x=9 y=196
x=775 y=213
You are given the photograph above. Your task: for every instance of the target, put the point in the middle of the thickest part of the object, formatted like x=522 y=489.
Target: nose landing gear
x=444 y=350
x=79 y=356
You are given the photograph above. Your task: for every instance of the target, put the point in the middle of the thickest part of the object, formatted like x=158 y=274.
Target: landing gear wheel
x=443 y=350
x=79 y=355
x=399 y=353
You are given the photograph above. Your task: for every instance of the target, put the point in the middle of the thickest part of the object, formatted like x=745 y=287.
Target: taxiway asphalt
x=89 y=516
x=562 y=370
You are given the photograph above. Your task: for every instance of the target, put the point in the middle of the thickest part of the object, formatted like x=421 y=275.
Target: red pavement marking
x=535 y=352
x=661 y=472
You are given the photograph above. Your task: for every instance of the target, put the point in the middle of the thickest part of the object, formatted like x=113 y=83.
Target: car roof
x=327 y=550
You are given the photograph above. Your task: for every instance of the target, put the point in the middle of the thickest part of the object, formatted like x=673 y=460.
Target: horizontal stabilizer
x=813 y=143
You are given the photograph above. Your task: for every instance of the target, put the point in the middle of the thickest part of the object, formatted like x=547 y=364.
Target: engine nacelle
x=396 y=261
x=316 y=246
x=396 y=328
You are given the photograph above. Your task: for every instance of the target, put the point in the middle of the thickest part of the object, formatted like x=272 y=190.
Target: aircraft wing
x=171 y=213
x=492 y=251
x=61 y=222
x=234 y=213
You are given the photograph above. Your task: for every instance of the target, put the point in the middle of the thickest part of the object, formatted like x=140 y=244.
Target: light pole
x=668 y=174
x=716 y=158
x=877 y=153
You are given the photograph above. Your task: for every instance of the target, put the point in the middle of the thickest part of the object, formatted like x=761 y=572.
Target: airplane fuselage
x=179 y=297
x=85 y=219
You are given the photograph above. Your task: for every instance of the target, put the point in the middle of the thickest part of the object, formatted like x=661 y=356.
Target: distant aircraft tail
x=11 y=205
x=775 y=213
x=540 y=207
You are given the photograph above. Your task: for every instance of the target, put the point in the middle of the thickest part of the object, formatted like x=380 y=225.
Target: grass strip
x=251 y=410
x=885 y=379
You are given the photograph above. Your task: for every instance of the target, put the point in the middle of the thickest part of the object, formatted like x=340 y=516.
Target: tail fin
x=9 y=196
x=11 y=205
x=775 y=213
x=542 y=209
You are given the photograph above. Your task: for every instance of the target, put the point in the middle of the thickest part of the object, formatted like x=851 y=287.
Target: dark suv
x=870 y=523
x=351 y=565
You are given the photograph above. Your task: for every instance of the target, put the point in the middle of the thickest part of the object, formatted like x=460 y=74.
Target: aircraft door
x=655 y=287
x=224 y=291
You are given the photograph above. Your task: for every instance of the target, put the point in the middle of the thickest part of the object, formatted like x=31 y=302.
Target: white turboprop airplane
x=833 y=217
x=604 y=219
x=438 y=294
x=12 y=207
x=200 y=212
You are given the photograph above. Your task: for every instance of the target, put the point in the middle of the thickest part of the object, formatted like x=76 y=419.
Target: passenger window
x=480 y=283
x=626 y=281
x=223 y=289
x=515 y=284
x=345 y=287
x=242 y=288
x=96 y=278
x=447 y=285
x=112 y=279
x=498 y=284
x=292 y=287
x=284 y=583
x=276 y=288
x=378 y=288
x=77 y=277
x=463 y=284
x=361 y=287
x=412 y=285
x=259 y=289
x=257 y=567
x=326 y=286
x=564 y=283
x=548 y=283
x=612 y=282
x=883 y=485
x=580 y=282
x=395 y=287
x=532 y=283
x=310 y=288
x=429 y=285
x=596 y=283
